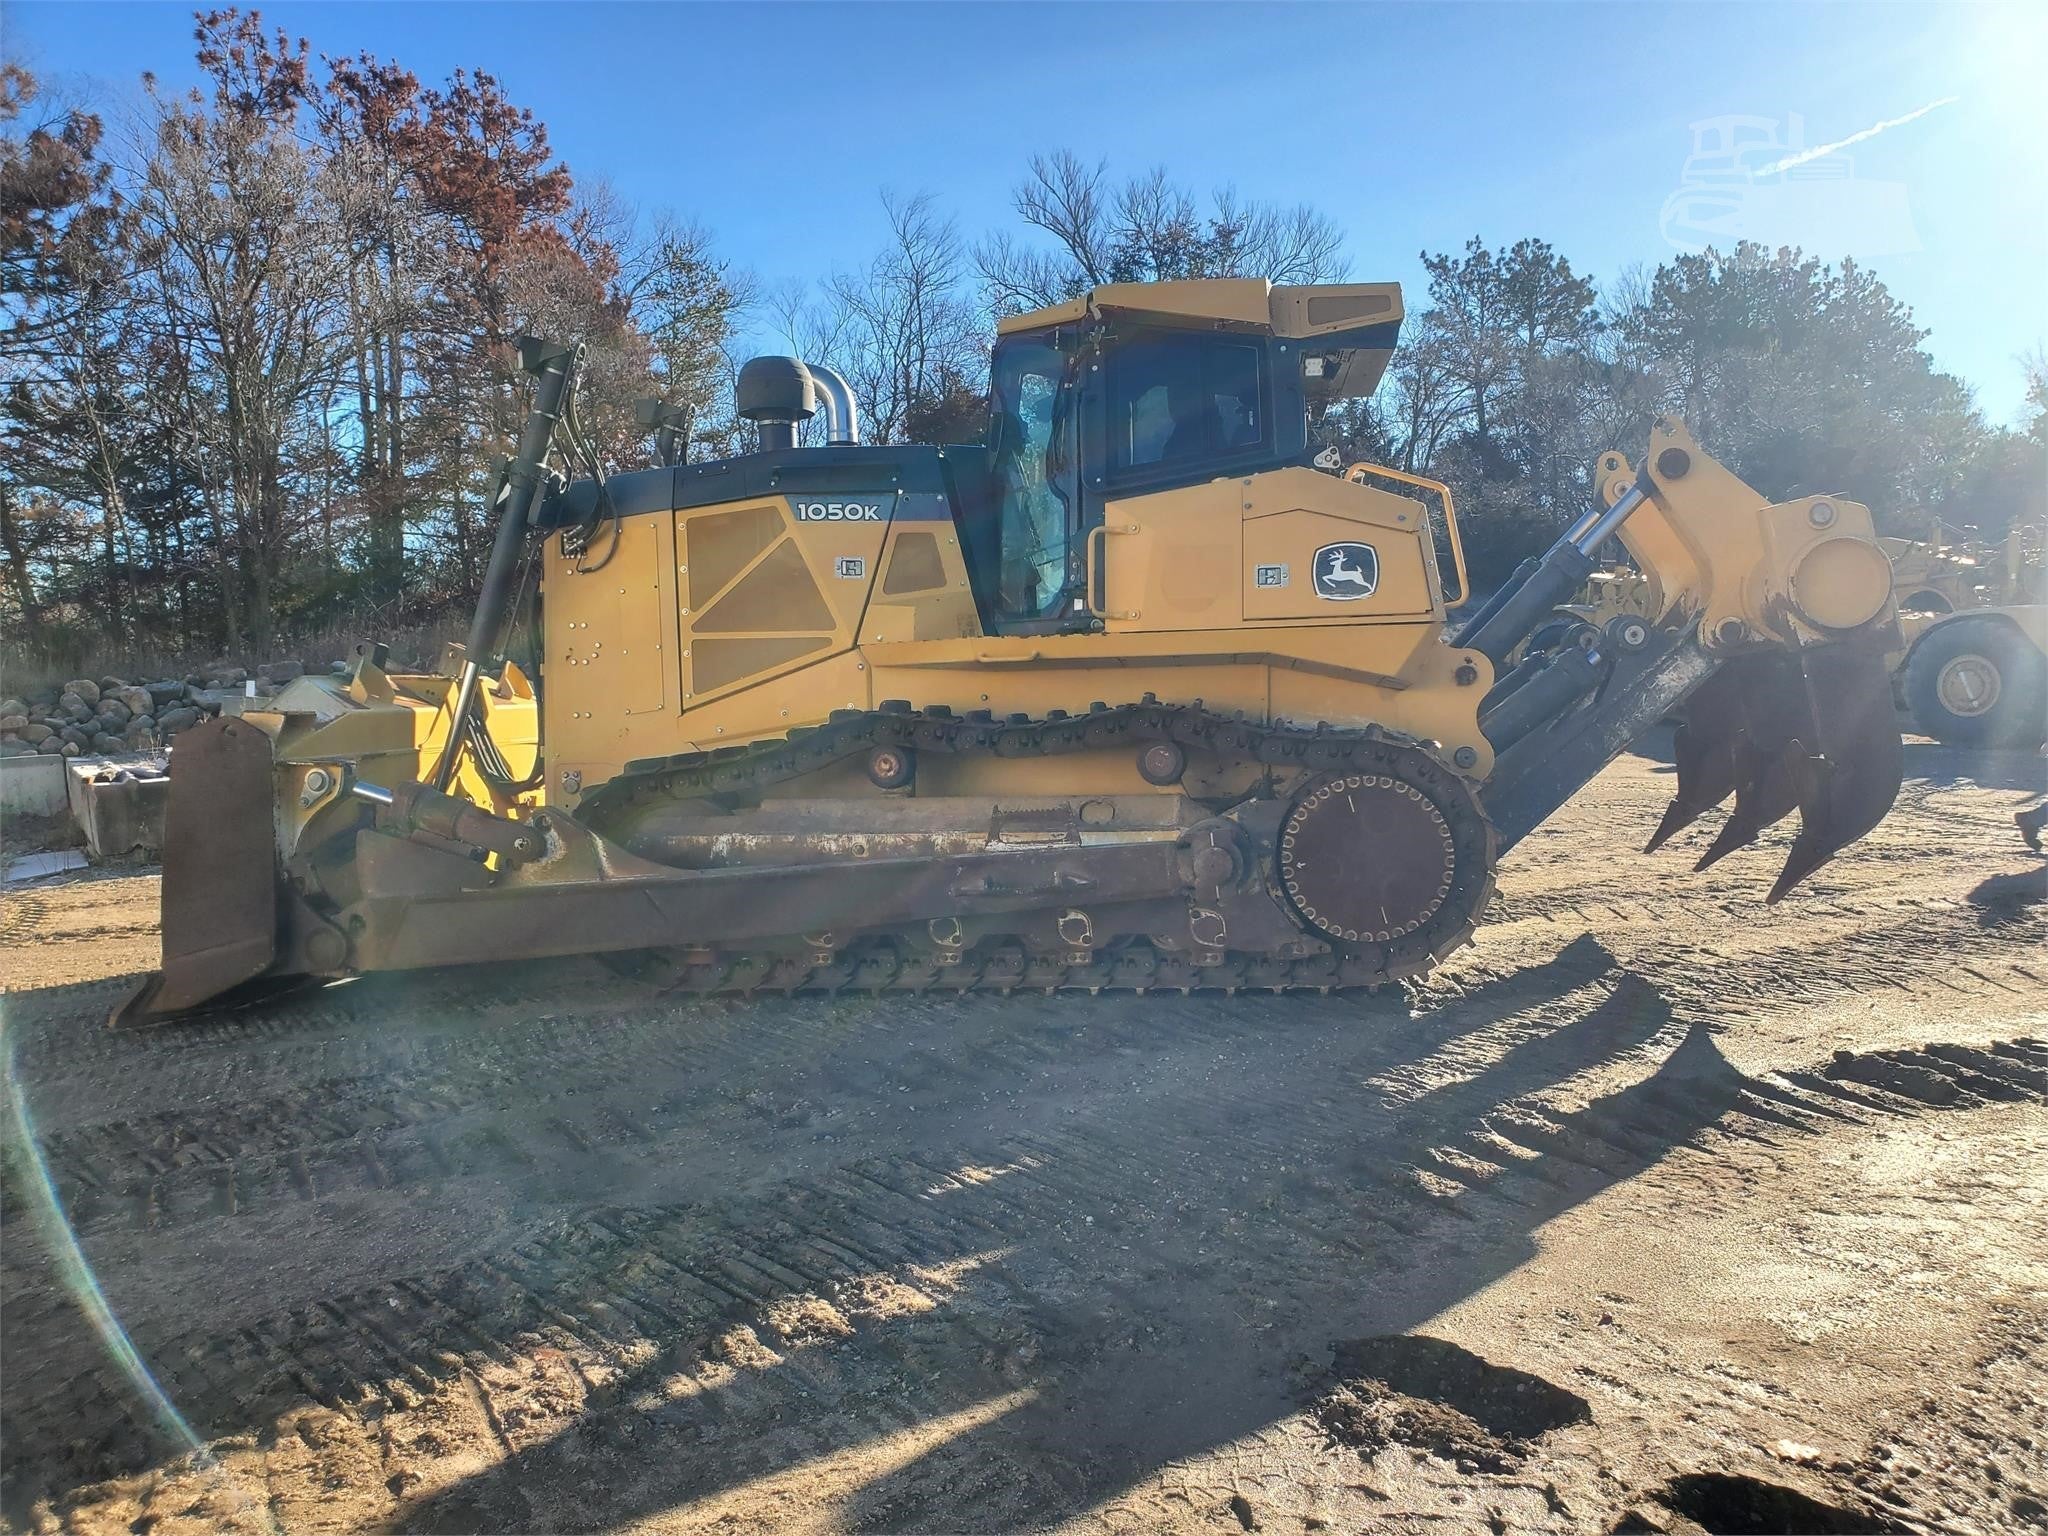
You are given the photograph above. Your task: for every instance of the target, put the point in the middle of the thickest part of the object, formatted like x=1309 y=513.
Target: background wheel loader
x=1132 y=695
x=1975 y=673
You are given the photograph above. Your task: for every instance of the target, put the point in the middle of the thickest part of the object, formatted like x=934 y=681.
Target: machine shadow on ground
x=1180 y=1248
x=1930 y=765
x=1148 y=1330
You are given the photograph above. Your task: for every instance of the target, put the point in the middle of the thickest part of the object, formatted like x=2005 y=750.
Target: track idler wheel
x=1811 y=730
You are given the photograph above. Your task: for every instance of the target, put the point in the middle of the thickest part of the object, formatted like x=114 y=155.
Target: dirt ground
x=1657 y=1210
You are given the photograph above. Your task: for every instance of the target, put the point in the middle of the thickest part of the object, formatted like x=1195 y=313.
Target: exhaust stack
x=778 y=394
x=842 y=416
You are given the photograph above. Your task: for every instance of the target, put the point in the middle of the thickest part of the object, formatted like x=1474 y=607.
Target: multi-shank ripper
x=1132 y=694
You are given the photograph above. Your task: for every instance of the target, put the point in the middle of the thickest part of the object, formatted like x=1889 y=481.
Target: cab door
x=1176 y=425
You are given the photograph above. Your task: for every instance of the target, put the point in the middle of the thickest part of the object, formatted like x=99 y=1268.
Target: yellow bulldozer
x=1133 y=694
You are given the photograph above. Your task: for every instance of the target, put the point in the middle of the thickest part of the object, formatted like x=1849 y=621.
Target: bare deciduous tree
x=688 y=303
x=1147 y=228
x=252 y=271
x=902 y=329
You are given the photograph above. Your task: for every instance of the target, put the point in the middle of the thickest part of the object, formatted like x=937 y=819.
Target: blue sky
x=1415 y=125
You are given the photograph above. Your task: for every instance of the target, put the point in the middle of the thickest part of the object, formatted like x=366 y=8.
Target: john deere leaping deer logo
x=1345 y=572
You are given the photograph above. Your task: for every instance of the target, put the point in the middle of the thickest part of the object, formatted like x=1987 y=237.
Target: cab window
x=1179 y=401
x=1033 y=530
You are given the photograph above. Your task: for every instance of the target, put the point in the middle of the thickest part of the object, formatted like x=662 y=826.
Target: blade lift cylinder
x=555 y=369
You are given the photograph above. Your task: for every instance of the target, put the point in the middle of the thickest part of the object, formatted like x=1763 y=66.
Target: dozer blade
x=220 y=872
x=1810 y=730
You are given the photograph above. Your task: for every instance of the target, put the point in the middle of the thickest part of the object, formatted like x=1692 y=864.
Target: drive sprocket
x=1391 y=861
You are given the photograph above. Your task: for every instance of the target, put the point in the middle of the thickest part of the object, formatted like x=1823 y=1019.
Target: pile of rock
x=110 y=716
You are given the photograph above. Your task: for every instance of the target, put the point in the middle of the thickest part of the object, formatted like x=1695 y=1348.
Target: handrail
x=1094 y=565
x=1356 y=473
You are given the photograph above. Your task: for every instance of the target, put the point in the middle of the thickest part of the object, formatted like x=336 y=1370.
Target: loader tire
x=1978 y=683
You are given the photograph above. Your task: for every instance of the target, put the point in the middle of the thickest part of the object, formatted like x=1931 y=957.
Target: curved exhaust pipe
x=842 y=415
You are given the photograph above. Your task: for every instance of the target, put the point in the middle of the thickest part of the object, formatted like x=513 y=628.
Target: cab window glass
x=1032 y=524
x=1182 y=399
x=1234 y=387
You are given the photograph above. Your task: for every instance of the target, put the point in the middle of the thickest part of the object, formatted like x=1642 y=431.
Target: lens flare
x=75 y=1274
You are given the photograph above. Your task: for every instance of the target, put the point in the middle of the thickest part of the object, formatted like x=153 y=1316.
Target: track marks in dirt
x=440 y=1108
x=66 y=930
x=21 y=917
x=536 y=1097
x=1050 y=1249
x=1771 y=960
x=854 y=1282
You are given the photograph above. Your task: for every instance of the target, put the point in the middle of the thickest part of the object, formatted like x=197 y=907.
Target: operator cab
x=1129 y=390
x=1139 y=388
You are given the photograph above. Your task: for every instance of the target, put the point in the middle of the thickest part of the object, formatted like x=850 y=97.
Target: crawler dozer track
x=1291 y=766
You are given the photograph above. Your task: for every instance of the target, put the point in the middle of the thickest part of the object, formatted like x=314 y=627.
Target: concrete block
x=118 y=817
x=32 y=786
x=40 y=866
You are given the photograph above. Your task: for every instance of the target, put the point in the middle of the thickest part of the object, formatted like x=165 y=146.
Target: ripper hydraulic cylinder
x=1512 y=616
x=1560 y=681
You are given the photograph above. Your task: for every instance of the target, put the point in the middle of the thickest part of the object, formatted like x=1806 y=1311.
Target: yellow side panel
x=780 y=620
x=923 y=592
x=1335 y=570
x=843 y=559
x=765 y=592
x=1249 y=551
x=610 y=626
x=1171 y=560
x=646 y=621
x=612 y=658
x=1345 y=553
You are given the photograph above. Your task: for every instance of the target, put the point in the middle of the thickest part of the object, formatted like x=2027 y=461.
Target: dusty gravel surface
x=1658 y=1209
